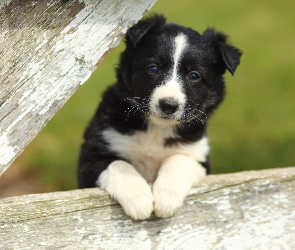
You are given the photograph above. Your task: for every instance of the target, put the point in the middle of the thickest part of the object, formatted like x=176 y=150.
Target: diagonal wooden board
x=48 y=49
x=247 y=210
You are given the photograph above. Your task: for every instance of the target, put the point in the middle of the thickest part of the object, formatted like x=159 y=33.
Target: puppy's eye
x=153 y=69
x=194 y=76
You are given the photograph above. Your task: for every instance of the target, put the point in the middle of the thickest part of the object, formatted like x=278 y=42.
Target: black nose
x=168 y=105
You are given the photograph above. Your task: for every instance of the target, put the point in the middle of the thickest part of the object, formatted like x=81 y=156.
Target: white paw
x=128 y=187
x=166 y=201
x=175 y=178
x=138 y=204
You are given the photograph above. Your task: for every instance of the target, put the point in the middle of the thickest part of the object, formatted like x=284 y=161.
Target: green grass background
x=253 y=129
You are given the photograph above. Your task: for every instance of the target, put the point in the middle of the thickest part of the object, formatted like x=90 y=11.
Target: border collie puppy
x=146 y=144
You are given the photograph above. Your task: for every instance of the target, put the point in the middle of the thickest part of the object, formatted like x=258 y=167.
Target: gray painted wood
x=247 y=210
x=48 y=49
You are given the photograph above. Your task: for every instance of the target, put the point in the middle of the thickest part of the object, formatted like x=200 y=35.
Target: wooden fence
x=48 y=49
x=248 y=210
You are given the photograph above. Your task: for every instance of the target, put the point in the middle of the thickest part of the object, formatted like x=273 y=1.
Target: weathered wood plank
x=247 y=210
x=48 y=49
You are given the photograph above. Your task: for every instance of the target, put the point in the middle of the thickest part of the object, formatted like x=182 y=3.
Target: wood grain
x=48 y=49
x=247 y=210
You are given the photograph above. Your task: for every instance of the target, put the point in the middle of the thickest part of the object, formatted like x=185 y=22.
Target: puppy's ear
x=230 y=55
x=136 y=32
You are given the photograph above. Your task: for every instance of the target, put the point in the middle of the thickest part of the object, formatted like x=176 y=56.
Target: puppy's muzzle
x=169 y=105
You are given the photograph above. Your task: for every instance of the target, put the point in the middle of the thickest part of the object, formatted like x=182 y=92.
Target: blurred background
x=253 y=129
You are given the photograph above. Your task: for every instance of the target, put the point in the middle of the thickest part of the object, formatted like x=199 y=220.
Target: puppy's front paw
x=138 y=204
x=128 y=187
x=166 y=201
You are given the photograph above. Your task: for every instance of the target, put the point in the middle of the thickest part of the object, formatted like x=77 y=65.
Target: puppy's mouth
x=180 y=115
x=163 y=120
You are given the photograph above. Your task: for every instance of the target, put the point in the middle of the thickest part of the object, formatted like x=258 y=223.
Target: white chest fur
x=145 y=150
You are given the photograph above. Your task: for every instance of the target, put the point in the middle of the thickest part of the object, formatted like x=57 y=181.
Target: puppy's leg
x=176 y=176
x=127 y=186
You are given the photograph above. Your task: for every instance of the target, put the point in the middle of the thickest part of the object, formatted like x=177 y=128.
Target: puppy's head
x=173 y=73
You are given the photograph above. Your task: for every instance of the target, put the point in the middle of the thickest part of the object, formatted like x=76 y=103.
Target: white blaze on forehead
x=172 y=87
x=180 y=44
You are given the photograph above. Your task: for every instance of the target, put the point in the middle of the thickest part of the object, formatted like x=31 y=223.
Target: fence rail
x=247 y=210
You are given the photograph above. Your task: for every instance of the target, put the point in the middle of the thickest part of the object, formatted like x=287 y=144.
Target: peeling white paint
x=281 y=198
x=86 y=78
x=191 y=238
x=34 y=3
x=223 y=205
x=187 y=227
x=6 y=152
x=4 y=226
x=78 y=217
x=43 y=41
x=223 y=235
x=140 y=236
x=26 y=228
x=236 y=190
x=81 y=230
x=209 y=201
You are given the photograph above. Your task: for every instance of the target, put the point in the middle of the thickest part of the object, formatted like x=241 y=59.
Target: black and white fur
x=146 y=144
